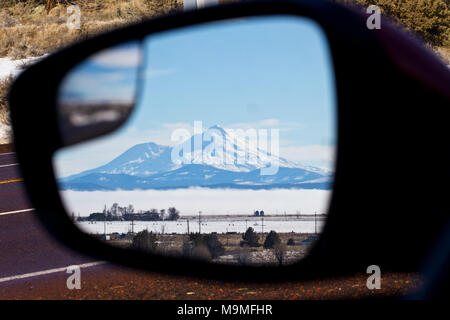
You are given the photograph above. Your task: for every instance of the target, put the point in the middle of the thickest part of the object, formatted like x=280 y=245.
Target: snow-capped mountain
x=140 y=160
x=234 y=154
x=152 y=166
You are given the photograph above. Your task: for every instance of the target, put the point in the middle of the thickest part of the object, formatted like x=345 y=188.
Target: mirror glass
x=98 y=95
x=229 y=153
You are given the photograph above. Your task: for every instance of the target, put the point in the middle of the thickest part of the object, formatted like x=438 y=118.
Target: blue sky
x=259 y=73
x=109 y=75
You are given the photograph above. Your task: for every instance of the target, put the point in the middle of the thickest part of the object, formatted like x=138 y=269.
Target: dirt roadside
x=5 y=148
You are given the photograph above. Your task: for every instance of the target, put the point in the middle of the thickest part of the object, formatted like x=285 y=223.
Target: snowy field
x=11 y=67
x=209 y=201
x=219 y=226
x=14 y=67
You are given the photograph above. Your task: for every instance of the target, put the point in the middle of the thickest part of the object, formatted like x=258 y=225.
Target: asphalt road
x=33 y=266
x=25 y=247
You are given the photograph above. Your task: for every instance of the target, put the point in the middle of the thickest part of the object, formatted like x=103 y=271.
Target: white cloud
x=103 y=86
x=118 y=57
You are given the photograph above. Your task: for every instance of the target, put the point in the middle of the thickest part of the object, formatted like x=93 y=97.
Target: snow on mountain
x=235 y=152
x=215 y=158
x=197 y=175
x=140 y=160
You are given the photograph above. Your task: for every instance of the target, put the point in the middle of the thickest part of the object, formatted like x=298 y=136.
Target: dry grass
x=4 y=109
x=27 y=30
x=444 y=54
x=23 y=41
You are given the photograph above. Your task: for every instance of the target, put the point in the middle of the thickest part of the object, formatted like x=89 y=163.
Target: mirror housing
x=348 y=243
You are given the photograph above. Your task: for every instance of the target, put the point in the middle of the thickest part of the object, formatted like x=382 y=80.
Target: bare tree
x=162 y=214
x=114 y=208
x=279 y=250
x=174 y=214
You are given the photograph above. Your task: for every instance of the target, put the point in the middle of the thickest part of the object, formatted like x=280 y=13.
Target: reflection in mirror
x=98 y=95
x=228 y=155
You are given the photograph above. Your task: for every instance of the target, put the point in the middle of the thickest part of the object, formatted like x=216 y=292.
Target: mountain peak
x=231 y=153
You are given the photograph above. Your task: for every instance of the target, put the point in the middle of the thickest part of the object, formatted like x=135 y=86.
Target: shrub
x=271 y=240
x=210 y=241
x=214 y=245
x=174 y=214
x=201 y=252
x=4 y=108
x=144 y=241
x=250 y=238
x=196 y=239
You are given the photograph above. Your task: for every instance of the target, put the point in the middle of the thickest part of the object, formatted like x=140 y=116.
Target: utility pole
x=262 y=226
x=104 y=222
x=104 y=227
x=188 y=226
x=199 y=222
x=315 y=222
x=132 y=224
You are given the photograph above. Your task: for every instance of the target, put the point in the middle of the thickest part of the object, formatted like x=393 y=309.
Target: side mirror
x=226 y=151
x=97 y=95
x=221 y=134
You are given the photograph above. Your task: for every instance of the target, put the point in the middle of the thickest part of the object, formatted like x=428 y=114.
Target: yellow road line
x=10 y=181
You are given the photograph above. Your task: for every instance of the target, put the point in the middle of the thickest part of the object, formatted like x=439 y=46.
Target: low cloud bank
x=209 y=201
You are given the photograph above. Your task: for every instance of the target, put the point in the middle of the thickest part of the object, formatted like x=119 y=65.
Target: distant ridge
x=150 y=166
